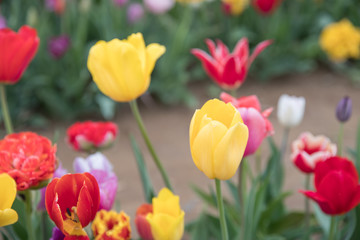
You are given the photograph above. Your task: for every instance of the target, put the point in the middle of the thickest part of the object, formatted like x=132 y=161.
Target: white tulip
x=159 y=6
x=290 y=110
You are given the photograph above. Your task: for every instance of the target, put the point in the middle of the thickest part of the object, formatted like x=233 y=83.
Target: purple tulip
x=108 y=184
x=344 y=109
x=159 y=6
x=59 y=172
x=96 y=161
x=135 y=12
x=57 y=46
x=120 y=3
x=57 y=234
x=2 y=22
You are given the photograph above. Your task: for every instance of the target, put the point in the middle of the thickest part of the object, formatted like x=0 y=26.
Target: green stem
x=28 y=208
x=340 y=139
x=5 y=110
x=258 y=160
x=307 y=208
x=224 y=232
x=284 y=143
x=136 y=113
x=241 y=190
x=332 y=233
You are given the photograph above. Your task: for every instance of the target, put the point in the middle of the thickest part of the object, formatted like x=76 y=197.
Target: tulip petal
x=55 y=213
x=84 y=206
x=229 y=151
x=258 y=49
x=8 y=191
x=338 y=188
x=211 y=46
x=241 y=49
x=137 y=41
x=220 y=111
x=167 y=202
x=50 y=194
x=204 y=144
x=212 y=68
x=8 y=216
x=302 y=164
x=166 y=227
x=153 y=52
x=325 y=205
x=355 y=199
x=234 y=73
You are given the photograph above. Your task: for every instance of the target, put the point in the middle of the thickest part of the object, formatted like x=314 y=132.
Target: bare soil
x=168 y=130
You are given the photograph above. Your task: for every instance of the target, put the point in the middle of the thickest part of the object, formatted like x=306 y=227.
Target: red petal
x=241 y=49
x=249 y=101
x=258 y=49
x=55 y=214
x=222 y=50
x=338 y=188
x=211 y=46
x=334 y=163
x=301 y=164
x=94 y=192
x=50 y=195
x=210 y=66
x=85 y=206
x=324 y=204
x=233 y=74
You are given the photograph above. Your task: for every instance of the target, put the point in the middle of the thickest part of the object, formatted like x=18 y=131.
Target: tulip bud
x=159 y=6
x=290 y=110
x=135 y=12
x=344 y=109
x=142 y=225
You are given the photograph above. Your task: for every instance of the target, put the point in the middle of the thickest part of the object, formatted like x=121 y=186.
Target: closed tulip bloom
x=344 y=109
x=142 y=225
x=257 y=122
x=122 y=68
x=135 y=12
x=290 y=110
x=228 y=70
x=97 y=161
x=167 y=219
x=308 y=150
x=57 y=46
x=8 y=190
x=337 y=186
x=234 y=7
x=17 y=50
x=159 y=6
x=218 y=139
x=266 y=7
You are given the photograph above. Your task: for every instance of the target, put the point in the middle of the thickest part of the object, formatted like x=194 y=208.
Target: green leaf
x=350 y=225
x=322 y=218
x=207 y=198
x=145 y=179
x=291 y=220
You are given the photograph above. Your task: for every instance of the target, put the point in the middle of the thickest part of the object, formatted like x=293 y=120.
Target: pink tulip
x=258 y=124
x=308 y=150
x=159 y=6
x=228 y=70
x=135 y=12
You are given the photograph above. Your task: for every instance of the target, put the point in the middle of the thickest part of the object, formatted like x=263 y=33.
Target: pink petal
x=222 y=50
x=211 y=46
x=241 y=49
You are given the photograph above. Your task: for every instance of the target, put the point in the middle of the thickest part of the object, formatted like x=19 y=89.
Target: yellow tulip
x=8 y=187
x=218 y=138
x=236 y=7
x=167 y=219
x=121 y=68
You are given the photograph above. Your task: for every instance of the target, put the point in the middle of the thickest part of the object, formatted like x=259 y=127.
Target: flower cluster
x=341 y=41
x=111 y=225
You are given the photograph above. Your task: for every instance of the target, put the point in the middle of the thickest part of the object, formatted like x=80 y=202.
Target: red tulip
x=308 y=150
x=337 y=186
x=91 y=136
x=142 y=225
x=228 y=70
x=258 y=124
x=266 y=6
x=72 y=202
x=28 y=158
x=17 y=50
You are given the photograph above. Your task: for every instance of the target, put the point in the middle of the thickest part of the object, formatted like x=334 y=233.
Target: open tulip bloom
x=228 y=70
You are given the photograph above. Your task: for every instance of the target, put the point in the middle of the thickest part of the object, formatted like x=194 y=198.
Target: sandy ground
x=168 y=130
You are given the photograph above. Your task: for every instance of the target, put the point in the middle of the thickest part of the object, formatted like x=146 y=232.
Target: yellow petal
x=153 y=52
x=8 y=191
x=165 y=227
x=204 y=145
x=116 y=70
x=229 y=151
x=166 y=203
x=7 y=217
x=137 y=41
